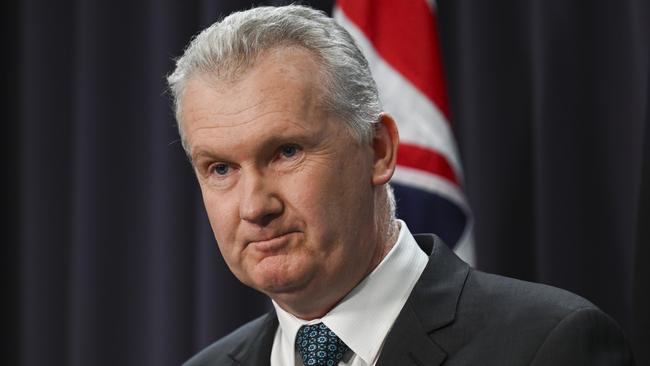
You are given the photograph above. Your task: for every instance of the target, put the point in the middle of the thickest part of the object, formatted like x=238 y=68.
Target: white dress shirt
x=365 y=316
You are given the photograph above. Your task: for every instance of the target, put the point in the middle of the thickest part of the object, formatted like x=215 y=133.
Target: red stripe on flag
x=404 y=33
x=421 y=158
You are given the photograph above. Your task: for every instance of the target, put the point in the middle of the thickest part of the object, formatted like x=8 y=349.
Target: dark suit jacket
x=460 y=316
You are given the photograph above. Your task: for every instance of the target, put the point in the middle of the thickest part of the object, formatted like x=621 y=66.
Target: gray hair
x=229 y=47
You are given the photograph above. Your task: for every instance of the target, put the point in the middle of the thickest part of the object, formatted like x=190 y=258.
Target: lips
x=270 y=243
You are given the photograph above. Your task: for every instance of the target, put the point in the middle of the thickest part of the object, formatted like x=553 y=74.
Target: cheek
x=327 y=199
x=223 y=216
x=224 y=221
x=312 y=194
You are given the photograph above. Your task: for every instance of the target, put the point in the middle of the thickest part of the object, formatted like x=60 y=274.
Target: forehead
x=283 y=85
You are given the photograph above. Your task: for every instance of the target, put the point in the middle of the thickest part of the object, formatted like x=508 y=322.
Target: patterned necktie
x=319 y=346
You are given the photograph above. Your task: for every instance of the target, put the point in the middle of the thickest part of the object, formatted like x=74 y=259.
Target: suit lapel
x=430 y=307
x=409 y=344
x=257 y=350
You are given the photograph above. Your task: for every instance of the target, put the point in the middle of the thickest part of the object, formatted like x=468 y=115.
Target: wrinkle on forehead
x=224 y=120
x=228 y=128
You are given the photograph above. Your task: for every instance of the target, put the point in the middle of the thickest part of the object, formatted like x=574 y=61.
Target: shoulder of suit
x=490 y=299
x=499 y=292
x=501 y=310
x=218 y=353
x=535 y=319
x=501 y=320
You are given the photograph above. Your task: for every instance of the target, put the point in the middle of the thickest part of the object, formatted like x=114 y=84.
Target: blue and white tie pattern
x=319 y=346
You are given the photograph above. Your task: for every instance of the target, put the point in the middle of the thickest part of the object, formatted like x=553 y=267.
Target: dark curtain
x=109 y=259
x=550 y=100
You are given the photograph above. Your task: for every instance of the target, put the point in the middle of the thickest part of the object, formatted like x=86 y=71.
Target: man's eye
x=289 y=151
x=221 y=169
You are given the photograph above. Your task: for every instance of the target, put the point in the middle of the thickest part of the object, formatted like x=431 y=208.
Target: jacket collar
x=256 y=351
x=431 y=306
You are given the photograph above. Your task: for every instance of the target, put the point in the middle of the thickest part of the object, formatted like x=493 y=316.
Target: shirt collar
x=364 y=317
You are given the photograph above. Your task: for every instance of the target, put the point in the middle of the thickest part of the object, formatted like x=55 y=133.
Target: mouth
x=272 y=244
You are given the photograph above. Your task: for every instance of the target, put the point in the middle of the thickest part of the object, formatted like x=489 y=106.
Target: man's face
x=289 y=193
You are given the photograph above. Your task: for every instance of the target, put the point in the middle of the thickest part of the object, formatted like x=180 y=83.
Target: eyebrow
x=199 y=153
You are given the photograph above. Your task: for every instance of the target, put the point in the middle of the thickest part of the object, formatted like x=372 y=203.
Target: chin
x=282 y=284
x=275 y=281
x=278 y=274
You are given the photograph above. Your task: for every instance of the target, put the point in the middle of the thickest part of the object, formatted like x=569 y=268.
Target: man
x=280 y=117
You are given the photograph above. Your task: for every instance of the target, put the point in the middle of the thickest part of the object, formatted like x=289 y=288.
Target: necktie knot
x=319 y=346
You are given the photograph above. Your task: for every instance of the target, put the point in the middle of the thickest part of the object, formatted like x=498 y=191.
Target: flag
x=400 y=41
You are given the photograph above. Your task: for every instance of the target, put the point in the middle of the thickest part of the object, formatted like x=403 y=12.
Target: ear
x=384 y=144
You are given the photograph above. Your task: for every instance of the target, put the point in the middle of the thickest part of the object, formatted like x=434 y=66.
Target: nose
x=259 y=202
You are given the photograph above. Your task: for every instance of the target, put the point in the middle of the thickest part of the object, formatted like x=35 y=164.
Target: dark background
x=108 y=257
